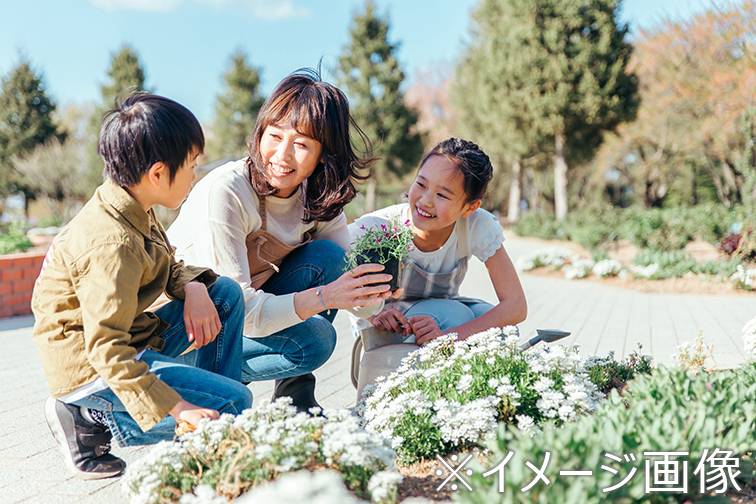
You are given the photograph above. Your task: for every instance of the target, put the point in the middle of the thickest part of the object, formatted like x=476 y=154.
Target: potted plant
x=387 y=244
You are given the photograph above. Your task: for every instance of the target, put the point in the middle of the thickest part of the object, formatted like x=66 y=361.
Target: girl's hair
x=472 y=162
x=320 y=111
x=143 y=130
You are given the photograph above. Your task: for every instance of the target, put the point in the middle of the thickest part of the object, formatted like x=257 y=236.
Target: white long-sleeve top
x=213 y=224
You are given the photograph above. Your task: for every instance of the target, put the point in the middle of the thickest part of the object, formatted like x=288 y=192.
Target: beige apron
x=265 y=252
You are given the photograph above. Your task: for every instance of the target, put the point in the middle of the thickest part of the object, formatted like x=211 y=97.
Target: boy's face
x=178 y=190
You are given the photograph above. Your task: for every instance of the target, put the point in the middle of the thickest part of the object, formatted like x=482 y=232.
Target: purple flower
x=383 y=226
x=378 y=240
x=362 y=227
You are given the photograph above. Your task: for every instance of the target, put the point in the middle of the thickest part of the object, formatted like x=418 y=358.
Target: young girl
x=274 y=223
x=444 y=209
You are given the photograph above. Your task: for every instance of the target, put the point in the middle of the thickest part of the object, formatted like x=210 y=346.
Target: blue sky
x=185 y=45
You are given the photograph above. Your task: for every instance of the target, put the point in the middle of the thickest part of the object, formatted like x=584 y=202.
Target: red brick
x=37 y=259
x=5 y=312
x=23 y=286
x=13 y=300
x=31 y=272
x=23 y=309
x=22 y=261
x=5 y=288
x=11 y=274
x=5 y=262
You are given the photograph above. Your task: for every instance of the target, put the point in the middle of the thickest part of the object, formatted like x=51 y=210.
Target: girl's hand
x=391 y=320
x=424 y=328
x=188 y=412
x=200 y=316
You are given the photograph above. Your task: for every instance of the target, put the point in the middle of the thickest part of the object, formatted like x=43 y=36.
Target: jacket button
x=138 y=416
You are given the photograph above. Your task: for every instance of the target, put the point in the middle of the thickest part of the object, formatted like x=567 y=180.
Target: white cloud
x=138 y=5
x=268 y=10
x=276 y=10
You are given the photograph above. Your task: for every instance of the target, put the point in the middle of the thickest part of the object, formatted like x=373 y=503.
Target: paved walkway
x=600 y=318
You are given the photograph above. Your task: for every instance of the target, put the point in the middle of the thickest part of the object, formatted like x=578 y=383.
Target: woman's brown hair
x=320 y=111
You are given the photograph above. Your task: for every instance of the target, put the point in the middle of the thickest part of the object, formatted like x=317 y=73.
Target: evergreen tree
x=25 y=121
x=560 y=68
x=372 y=79
x=125 y=72
x=236 y=109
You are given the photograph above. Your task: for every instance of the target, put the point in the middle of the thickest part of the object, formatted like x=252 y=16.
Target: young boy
x=108 y=361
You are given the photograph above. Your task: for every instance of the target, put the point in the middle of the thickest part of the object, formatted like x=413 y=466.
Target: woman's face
x=289 y=156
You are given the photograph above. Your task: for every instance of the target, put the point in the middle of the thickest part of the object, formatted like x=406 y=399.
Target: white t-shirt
x=484 y=236
x=213 y=224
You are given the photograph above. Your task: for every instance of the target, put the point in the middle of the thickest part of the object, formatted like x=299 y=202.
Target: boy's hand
x=200 y=316
x=188 y=412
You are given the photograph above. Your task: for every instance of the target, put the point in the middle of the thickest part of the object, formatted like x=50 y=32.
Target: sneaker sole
x=59 y=433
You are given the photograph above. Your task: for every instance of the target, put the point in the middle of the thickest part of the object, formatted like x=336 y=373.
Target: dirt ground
x=624 y=251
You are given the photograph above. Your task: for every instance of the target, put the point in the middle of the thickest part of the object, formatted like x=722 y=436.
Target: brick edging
x=17 y=275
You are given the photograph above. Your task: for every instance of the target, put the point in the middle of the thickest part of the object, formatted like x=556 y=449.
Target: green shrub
x=13 y=239
x=670 y=410
x=676 y=263
x=538 y=225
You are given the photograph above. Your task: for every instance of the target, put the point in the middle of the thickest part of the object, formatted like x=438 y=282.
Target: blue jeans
x=304 y=347
x=213 y=384
x=447 y=313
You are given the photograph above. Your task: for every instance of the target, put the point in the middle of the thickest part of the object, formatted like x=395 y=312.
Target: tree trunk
x=515 y=192
x=560 y=178
x=370 y=196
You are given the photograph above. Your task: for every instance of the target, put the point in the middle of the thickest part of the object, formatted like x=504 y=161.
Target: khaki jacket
x=101 y=273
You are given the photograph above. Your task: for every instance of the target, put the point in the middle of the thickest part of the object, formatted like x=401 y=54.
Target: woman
x=274 y=222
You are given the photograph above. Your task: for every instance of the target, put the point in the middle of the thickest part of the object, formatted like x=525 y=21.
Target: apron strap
x=263 y=213
x=261 y=239
x=462 y=245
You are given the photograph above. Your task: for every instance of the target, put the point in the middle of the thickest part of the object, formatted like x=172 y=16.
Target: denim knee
x=228 y=290
x=331 y=258
x=447 y=313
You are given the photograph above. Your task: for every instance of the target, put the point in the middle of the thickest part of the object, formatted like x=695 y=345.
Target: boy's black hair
x=143 y=130
x=472 y=162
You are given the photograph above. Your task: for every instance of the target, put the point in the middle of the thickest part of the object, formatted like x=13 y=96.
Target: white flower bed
x=744 y=277
x=551 y=256
x=578 y=267
x=646 y=272
x=228 y=456
x=453 y=393
x=607 y=268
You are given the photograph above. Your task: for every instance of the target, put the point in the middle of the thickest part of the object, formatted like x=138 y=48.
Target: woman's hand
x=200 y=316
x=361 y=286
x=424 y=328
x=391 y=320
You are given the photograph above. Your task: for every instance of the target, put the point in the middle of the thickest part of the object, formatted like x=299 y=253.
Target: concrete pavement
x=601 y=318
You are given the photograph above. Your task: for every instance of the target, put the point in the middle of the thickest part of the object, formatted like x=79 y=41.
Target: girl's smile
x=437 y=200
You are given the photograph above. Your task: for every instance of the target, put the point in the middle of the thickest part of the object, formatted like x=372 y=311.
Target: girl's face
x=437 y=197
x=289 y=156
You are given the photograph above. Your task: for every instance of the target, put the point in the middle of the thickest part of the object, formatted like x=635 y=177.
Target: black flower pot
x=392 y=266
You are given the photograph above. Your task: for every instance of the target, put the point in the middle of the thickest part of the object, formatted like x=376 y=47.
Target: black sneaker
x=85 y=445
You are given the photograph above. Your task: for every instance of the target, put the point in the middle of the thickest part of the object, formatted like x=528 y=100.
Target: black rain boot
x=301 y=389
